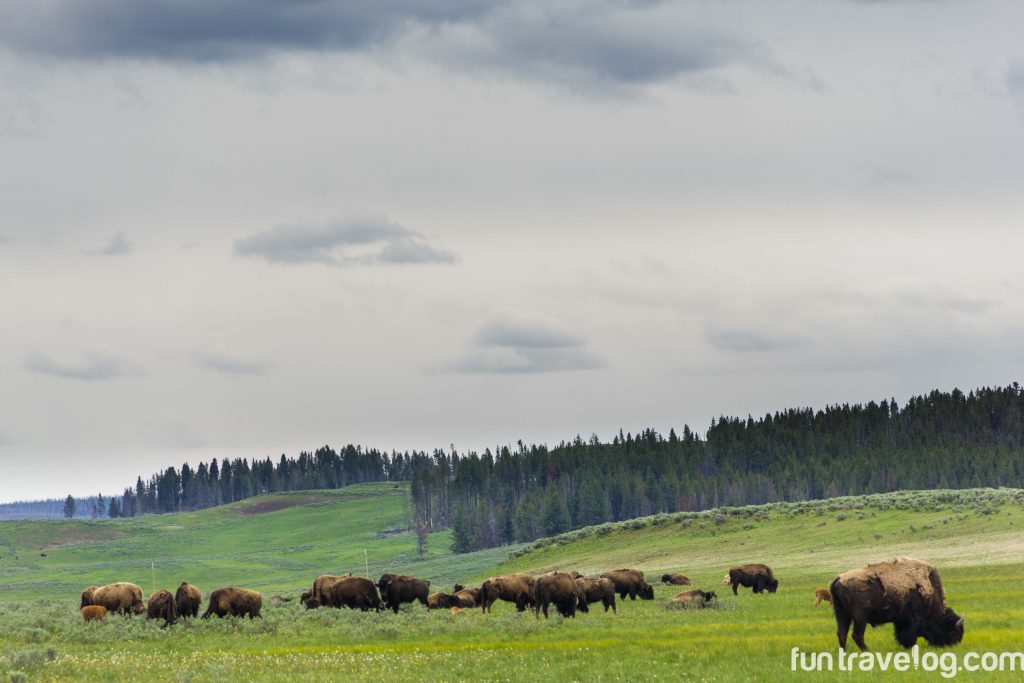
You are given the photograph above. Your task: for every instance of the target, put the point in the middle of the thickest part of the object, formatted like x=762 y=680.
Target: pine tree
x=554 y=513
x=462 y=532
x=69 y=507
x=114 y=510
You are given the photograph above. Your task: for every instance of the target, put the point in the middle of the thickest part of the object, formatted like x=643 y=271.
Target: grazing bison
x=442 y=601
x=234 y=602
x=353 y=592
x=94 y=613
x=560 y=589
x=396 y=589
x=905 y=592
x=756 y=576
x=821 y=595
x=693 y=598
x=596 y=590
x=187 y=600
x=630 y=582
x=517 y=588
x=161 y=605
x=676 y=580
x=320 y=584
x=123 y=598
x=467 y=597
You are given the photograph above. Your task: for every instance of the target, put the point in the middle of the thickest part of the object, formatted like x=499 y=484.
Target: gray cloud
x=749 y=340
x=117 y=245
x=215 y=30
x=364 y=241
x=94 y=367
x=1015 y=76
x=525 y=345
x=230 y=365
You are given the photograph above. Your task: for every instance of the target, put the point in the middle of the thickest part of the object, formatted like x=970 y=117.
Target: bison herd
x=904 y=592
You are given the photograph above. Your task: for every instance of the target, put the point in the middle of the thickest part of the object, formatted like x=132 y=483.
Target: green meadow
x=279 y=543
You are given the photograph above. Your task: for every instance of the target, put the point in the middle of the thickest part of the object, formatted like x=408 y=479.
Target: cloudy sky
x=234 y=228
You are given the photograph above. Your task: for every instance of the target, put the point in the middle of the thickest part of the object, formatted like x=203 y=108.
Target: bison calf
x=94 y=613
x=676 y=580
x=821 y=595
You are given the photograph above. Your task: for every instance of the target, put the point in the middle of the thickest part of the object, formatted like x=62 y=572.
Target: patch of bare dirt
x=262 y=507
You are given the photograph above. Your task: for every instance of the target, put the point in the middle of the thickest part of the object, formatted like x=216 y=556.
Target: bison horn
x=960 y=622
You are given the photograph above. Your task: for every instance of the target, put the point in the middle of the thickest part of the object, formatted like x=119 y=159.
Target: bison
x=693 y=598
x=676 y=580
x=467 y=597
x=94 y=613
x=162 y=605
x=396 y=589
x=821 y=595
x=517 y=588
x=320 y=583
x=596 y=590
x=442 y=601
x=234 y=602
x=353 y=592
x=630 y=582
x=560 y=589
x=123 y=598
x=755 y=576
x=188 y=599
x=904 y=592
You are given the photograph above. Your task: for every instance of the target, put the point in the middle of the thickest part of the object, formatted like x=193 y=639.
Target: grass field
x=975 y=538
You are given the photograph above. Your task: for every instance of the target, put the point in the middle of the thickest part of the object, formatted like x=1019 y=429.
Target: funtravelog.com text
x=946 y=664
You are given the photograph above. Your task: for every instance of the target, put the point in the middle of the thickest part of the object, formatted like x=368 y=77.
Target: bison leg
x=842 y=628
x=858 y=635
x=735 y=586
x=906 y=632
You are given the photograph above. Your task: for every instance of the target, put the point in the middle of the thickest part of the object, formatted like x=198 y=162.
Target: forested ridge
x=938 y=440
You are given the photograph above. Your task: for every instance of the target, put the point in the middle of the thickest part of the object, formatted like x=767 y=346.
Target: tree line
x=518 y=494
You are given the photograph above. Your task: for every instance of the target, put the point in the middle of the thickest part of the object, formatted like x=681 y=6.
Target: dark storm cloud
x=117 y=245
x=524 y=346
x=365 y=241
x=572 y=44
x=213 y=30
x=95 y=367
x=230 y=365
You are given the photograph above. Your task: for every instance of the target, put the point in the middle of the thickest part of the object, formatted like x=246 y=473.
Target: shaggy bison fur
x=467 y=597
x=758 y=577
x=630 y=582
x=234 y=602
x=517 y=588
x=123 y=598
x=596 y=590
x=161 y=605
x=187 y=599
x=904 y=592
x=821 y=595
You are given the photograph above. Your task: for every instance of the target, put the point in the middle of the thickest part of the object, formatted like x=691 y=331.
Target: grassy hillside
x=273 y=543
x=974 y=537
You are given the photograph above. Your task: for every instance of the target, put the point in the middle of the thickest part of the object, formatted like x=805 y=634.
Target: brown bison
x=234 y=602
x=630 y=582
x=755 y=576
x=321 y=582
x=821 y=595
x=560 y=589
x=693 y=598
x=905 y=592
x=442 y=601
x=396 y=589
x=187 y=599
x=517 y=588
x=353 y=592
x=676 y=580
x=467 y=597
x=94 y=613
x=123 y=598
x=596 y=590
x=161 y=605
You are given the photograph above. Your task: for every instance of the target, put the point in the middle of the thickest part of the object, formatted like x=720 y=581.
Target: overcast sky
x=241 y=229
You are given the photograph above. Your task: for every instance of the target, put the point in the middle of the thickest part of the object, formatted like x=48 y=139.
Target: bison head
x=773 y=585
x=311 y=603
x=666 y=578
x=709 y=596
x=458 y=587
x=947 y=630
x=646 y=591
